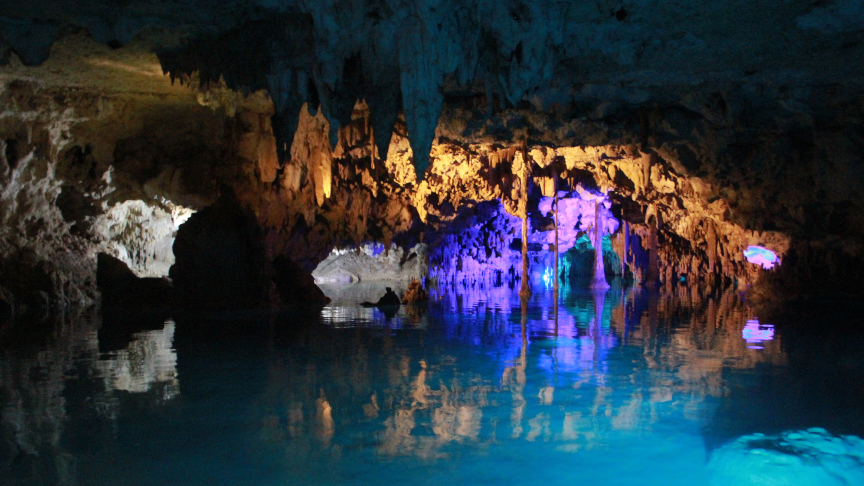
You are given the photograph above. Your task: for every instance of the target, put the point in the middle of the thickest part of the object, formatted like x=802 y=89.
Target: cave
x=357 y=241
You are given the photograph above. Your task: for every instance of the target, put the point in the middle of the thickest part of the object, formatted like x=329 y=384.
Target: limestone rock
x=295 y=285
x=122 y=289
x=372 y=263
x=220 y=259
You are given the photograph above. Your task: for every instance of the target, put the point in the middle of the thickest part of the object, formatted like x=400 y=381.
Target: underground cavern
x=355 y=241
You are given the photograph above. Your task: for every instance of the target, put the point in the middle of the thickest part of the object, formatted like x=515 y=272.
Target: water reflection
x=755 y=333
x=58 y=401
x=563 y=375
x=149 y=360
x=624 y=377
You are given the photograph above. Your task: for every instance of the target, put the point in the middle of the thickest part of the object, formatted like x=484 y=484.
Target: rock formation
x=122 y=289
x=340 y=127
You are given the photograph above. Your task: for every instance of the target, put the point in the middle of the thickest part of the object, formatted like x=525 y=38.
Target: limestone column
x=626 y=232
x=557 y=276
x=525 y=290
x=653 y=268
x=711 y=240
x=555 y=284
x=599 y=281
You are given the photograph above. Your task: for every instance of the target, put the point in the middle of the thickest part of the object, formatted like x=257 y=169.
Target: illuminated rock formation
x=373 y=263
x=338 y=127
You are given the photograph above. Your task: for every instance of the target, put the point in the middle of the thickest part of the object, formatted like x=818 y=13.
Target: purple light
x=761 y=256
x=755 y=333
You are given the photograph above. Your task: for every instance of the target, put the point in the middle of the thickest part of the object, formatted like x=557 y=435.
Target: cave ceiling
x=607 y=64
x=706 y=84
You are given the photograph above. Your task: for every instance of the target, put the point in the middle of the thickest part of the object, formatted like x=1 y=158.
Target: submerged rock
x=388 y=304
x=801 y=458
x=390 y=298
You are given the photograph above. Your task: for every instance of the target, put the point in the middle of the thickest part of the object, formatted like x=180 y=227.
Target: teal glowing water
x=619 y=387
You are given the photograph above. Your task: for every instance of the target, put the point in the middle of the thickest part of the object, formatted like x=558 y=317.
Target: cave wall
x=114 y=133
x=107 y=160
x=124 y=170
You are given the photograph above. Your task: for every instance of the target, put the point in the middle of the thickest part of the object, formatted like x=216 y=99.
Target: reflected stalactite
x=324 y=417
x=555 y=311
x=623 y=364
x=64 y=393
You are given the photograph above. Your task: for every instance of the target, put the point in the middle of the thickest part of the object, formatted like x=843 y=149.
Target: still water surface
x=622 y=387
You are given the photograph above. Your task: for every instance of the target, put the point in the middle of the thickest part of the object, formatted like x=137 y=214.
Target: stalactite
x=646 y=172
x=711 y=238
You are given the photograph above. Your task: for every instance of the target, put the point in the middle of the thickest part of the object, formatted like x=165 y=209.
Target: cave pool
x=626 y=387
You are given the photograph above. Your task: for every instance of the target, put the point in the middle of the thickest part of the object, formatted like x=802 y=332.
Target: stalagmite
x=599 y=281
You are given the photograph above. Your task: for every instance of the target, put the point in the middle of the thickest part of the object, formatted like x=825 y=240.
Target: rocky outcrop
x=122 y=289
x=220 y=259
x=294 y=285
x=221 y=263
x=373 y=263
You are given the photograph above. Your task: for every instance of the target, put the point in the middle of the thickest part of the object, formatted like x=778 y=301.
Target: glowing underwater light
x=755 y=333
x=761 y=256
x=548 y=275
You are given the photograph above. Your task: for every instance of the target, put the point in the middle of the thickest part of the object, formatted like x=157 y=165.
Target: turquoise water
x=622 y=387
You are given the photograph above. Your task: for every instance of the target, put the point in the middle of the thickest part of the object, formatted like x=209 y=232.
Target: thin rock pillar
x=557 y=276
x=525 y=289
x=599 y=281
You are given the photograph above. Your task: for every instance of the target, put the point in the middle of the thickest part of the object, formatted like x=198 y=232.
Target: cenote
x=456 y=242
